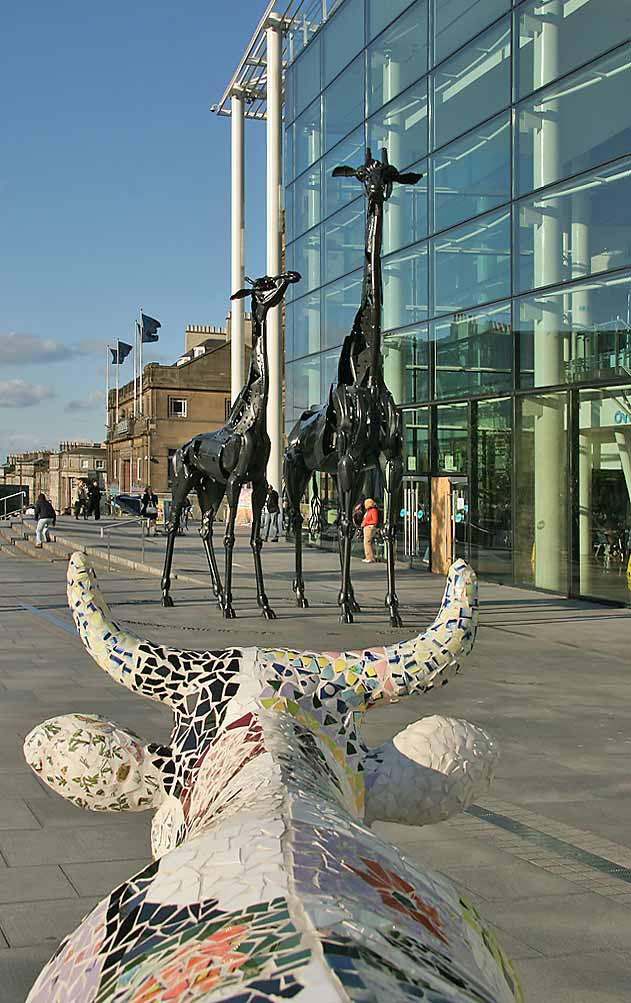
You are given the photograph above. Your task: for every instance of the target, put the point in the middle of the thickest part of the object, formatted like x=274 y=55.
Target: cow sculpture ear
x=344 y=172
x=409 y=179
x=241 y=294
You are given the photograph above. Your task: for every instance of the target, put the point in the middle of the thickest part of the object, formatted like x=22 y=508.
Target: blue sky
x=114 y=194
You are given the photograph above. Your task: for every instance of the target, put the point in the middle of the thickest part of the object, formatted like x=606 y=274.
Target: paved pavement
x=547 y=856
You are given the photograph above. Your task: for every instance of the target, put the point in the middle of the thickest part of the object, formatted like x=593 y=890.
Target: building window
x=85 y=464
x=171 y=466
x=177 y=407
x=115 y=469
x=138 y=468
x=226 y=408
x=99 y=464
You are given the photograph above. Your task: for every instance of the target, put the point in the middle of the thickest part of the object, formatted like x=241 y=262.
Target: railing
x=3 y=501
x=108 y=530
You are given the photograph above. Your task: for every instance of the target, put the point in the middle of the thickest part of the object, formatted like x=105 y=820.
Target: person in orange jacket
x=369 y=526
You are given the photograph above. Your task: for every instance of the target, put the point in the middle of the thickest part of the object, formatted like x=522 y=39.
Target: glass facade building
x=507 y=269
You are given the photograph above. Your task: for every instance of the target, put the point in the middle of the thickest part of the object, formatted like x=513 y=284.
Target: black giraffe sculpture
x=219 y=463
x=359 y=428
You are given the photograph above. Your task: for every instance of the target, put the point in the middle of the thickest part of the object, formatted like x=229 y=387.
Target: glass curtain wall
x=507 y=269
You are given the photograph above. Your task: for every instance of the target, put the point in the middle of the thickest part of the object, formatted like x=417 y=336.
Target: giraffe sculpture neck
x=363 y=347
x=251 y=404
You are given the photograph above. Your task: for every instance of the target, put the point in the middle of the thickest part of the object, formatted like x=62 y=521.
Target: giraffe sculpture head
x=266 y=292
x=378 y=177
x=268 y=883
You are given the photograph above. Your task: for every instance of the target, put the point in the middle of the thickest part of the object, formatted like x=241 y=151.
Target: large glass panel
x=556 y=36
x=405 y=218
x=473 y=84
x=381 y=13
x=288 y=212
x=576 y=124
x=306 y=325
x=472 y=263
x=344 y=241
x=307 y=200
x=456 y=21
x=401 y=127
x=288 y=155
x=340 y=191
x=576 y=229
x=343 y=37
x=576 y=333
x=405 y=282
x=302 y=386
x=474 y=352
x=452 y=436
x=344 y=103
x=416 y=440
x=491 y=486
x=307 y=137
x=398 y=57
x=341 y=302
x=541 y=492
x=405 y=365
x=604 y=494
x=305 y=258
x=472 y=174
x=305 y=76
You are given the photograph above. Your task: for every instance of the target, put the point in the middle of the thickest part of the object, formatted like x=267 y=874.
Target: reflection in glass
x=576 y=333
x=307 y=137
x=288 y=155
x=380 y=14
x=341 y=302
x=452 y=435
x=306 y=325
x=307 y=189
x=344 y=103
x=556 y=36
x=344 y=241
x=589 y=219
x=304 y=257
x=398 y=57
x=541 y=492
x=456 y=21
x=343 y=37
x=491 y=487
x=405 y=365
x=305 y=77
x=416 y=440
x=288 y=212
x=473 y=174
x=302 y=386
x=405 y=282
x=401 y=127
x=474 y=352
x=473 y=84
x=576 y=124
x=604 y=494
x=341 y=191
x=472 y=263
x=405 y=219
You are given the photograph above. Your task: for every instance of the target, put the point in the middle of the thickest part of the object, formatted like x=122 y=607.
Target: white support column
x=274 y=229
x=237 y=243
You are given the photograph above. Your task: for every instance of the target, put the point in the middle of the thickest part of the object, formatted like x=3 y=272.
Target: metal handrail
x=14 y=494
x=107 y=531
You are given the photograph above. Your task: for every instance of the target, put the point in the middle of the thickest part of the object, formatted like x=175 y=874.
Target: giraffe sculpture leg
x=184 y=482
x=296 y=479
x=233 y=491
x=349 y=485
x=392 y=470
x=259 y=494
x=210 y=494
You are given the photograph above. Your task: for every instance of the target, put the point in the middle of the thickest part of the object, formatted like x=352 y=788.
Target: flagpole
x=140 y=352
x=107 y=387
x=135 y=365
x=118 y=365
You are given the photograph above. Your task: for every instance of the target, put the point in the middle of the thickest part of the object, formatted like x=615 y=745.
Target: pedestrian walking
x=369 y=526
x=80 y=503
x=46 y=517
x=271 y=516
x=94 y=500
x=149 y=509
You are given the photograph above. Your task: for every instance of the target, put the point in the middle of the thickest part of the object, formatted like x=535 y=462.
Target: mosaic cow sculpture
x=268 y=883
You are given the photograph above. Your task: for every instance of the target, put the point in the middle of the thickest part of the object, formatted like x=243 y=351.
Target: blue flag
x=149 y=328
x=120 y=353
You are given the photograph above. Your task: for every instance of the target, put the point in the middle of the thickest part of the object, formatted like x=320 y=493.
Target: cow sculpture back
x=268 y=883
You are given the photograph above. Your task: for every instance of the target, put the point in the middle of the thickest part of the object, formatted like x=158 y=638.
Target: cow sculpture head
x=267 y=883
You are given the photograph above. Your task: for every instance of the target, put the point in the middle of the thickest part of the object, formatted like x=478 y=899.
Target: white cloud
x=17 y=349
x=19 y=393
x=89 y=403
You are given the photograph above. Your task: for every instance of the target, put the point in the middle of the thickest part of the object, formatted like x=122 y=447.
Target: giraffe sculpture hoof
x=356 y=608
x=269 y=613
x=302 y=602
x=228 y=612
x=395 y=620
x=167 y=601
x=346 y=615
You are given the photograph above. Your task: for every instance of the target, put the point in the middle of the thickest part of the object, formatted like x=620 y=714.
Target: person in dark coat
x=94 y=500
x=271 y=516
x=46 y=517
x=149 y=509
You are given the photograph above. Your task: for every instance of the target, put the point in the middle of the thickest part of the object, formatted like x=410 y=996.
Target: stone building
x=178 y=401
x=56 y=472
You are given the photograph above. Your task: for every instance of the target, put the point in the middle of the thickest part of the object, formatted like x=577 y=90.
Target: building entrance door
x=450 y=522
x=415 y=519
x=125 y=476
